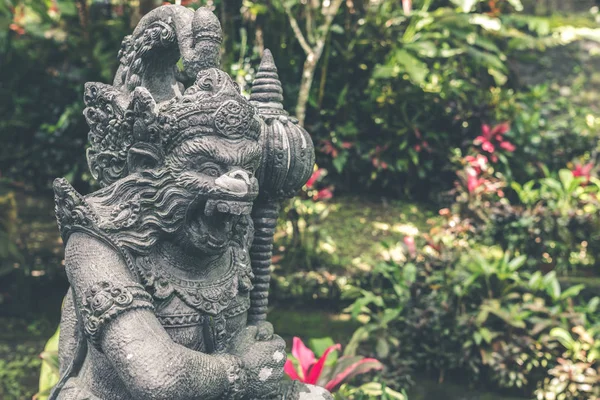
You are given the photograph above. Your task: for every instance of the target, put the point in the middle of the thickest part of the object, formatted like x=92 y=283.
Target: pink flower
x=584 y=171
x=507 y=146
x=329 y=148
x=314 y=177
x=407 y=6
x=409 y=241
x=323 y=194
x=473 y=180
x=479 y=162
x=310 y=369
x=490 y=135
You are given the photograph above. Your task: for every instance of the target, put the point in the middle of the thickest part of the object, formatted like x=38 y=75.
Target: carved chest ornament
x=227 y=295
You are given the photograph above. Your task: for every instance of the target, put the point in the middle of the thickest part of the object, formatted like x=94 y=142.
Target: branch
x=333 y=8
x=329 y=16
x=299 y=35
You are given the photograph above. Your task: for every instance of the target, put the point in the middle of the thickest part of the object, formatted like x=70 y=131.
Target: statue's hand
x=263 y=361
x=295 y=390
x=265 y=330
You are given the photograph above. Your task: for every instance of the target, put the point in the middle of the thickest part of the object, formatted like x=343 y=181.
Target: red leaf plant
x=314 y=177
x=492 y=137
x=323 y=194
x=475 y=166
x=315 y=372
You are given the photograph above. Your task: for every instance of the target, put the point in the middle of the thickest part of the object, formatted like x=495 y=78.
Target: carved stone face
x=219 y=175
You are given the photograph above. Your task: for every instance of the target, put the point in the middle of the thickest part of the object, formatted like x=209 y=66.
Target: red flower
x=323 y=194
x=583 y=171
x=409 y=241
x=314 y=177
x=507 y=146
x=16 y=28
x=479 y=163
x=473 y=180
x=489 y=136
x=310 y=369
x=329 y=149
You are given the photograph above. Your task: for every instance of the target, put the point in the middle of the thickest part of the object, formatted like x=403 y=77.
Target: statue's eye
x=210 y=170
x=250 y=170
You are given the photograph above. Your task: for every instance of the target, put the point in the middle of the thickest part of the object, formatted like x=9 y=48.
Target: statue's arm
x=150 y=364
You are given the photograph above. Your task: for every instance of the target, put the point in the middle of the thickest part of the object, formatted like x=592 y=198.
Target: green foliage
x=484 y=314
x=49 y=50
x=434 y=78
x=49 y=372
x=9 y=252
x=16 y=366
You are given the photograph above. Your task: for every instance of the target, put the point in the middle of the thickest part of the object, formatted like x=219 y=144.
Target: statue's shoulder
x=78 y=213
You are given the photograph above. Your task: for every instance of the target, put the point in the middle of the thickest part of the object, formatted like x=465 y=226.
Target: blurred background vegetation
x=451 y=228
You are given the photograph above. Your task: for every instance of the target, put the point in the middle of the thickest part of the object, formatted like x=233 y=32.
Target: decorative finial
x=267 y=93
x=208 y=37
x=206 y=26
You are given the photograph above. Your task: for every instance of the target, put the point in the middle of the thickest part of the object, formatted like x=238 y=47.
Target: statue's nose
x=237 y=181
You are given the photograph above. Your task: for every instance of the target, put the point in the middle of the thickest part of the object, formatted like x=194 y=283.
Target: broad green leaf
x=566 y=178
x=572 y=291
x=563 y=337
x=382 y=348
x=415 y=68
x=49 y=374
x=486 y=22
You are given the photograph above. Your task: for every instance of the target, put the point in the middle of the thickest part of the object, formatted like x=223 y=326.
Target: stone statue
x=168 y=262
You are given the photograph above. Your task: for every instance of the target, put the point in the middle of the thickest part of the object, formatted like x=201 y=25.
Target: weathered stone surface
x=169 y=261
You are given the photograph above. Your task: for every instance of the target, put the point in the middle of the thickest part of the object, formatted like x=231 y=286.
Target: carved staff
x=288 y=160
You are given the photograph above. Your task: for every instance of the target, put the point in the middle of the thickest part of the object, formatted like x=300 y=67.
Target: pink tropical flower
x=473 y=180
x=314 y=177
x=583 y=171
x=323 y=194
x=479 y=162
x=490 y=137
x=310 y=370
x=409 y=241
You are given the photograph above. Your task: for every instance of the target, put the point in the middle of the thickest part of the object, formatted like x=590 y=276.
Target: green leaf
x=566 y=178
x=517 y=263
x=340 y=161
x=319 y=345
x=382 y=348
x=49 y=374
x=572 y=291
x=415 y=68
x=409 y=273
x=563 y=337
x=465 y=5
x=486 y=22
x=498 y=76
x=335 y=28
x=516 y=4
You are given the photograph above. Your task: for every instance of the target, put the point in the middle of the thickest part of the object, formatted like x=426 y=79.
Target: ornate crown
x=213 y=105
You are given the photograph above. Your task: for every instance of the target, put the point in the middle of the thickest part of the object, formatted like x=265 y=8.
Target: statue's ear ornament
x=110 y=133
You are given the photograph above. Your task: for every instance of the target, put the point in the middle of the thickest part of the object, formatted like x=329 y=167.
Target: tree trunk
x=308 y=73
